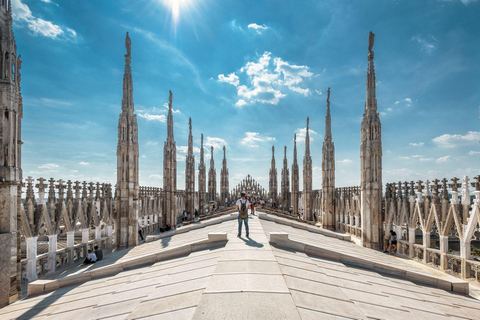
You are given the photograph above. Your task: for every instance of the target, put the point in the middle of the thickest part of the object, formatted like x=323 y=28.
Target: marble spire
x=285 y=182
x=328 y=173
x=224 y=184
x=212 y=179
x=202 y=180
x=307 y=178
x=169 y=172
x=371 y=162
x=272 y=183
x=295 y=177
x=190 y=174
x=127 y=163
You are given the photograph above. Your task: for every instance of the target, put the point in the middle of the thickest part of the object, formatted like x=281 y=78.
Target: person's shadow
x=252 y=243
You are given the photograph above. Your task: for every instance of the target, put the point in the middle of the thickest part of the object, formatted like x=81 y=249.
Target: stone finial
x=427 y=188
x=476 y=184
x=97 y=191
x=420 y=187
x=455 y=185
x=445 y=189
x=78 y=189
x=91 y=190
x=128 y=45
x=465 y=191
x=412 y=188
x=51 y=189
x=30 y=193
x=69 y=190
x=84 y=190
x=170 y=99
x=371 y=40
x=61 y=189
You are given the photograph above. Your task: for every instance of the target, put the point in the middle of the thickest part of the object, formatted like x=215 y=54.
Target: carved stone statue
x=170 y=98
x=128 y=45
x=328 y=95
x=371 y=40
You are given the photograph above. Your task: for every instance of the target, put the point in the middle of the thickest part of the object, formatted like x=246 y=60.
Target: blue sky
x=249 y=73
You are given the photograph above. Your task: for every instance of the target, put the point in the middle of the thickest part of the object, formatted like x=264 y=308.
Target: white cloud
x=319 y=92
x=216 y=143
x=404 y=158
x=425 y=45
x=23 y=16
x=232 y=78
x=415 y=144
x=48 y=166
x=165 y=105
x=453 y=140
x=426 y=159
x=251 y=139
x=156 y=176
x=156 y=117
x=258 y=28
x=240 y=103
x=83 y=163
x=268 y=82
x=301 y=134
x=417 y=156
x=472 y=153
x=445 y=159
x=345 y=161
x=408 y=100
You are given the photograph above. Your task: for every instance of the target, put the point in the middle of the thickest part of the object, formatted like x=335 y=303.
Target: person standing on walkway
x=242 y=207
x=140 y=231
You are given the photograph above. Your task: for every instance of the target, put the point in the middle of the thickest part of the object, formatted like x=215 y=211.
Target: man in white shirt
x=242 y=207
x=91 y=257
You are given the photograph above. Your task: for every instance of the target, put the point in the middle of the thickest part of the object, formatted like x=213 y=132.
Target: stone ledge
x=282 y=240
x=215 y=239
x=193 y=226
x=304 y=226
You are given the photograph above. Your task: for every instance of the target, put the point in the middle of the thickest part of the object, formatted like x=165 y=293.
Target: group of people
x=93 y=256
x=187 y=216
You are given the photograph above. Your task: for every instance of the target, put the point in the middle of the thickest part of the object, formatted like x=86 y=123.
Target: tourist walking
x=242 y=207
x=140 y=231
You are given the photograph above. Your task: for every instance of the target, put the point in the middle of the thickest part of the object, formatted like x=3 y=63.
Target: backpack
x=394 y=237
x=243 y=210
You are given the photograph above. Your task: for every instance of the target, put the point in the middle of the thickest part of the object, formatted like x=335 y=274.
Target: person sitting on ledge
x=98 y=253
x=91 y=257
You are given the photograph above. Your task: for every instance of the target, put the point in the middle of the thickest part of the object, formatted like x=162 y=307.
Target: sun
x=176 y=6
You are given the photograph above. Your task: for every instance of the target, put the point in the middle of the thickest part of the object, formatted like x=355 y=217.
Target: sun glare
x=175 y=7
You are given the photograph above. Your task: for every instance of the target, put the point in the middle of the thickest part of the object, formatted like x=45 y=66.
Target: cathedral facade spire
x=127 y=163
x=295 y=177
x=11 y=114
x=307 y=177
x=371 y=162
x=328 y=173
x=169 y=172
x=212 y=179
x=272 y=182
x=224 y=184
x=190 y=174
x=285 y=182
x=202 y=180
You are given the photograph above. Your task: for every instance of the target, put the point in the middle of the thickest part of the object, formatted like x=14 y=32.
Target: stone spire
x=371 y=162
x=127 y=163
x=307 y=178
x=328 y=173
x=202 y=181
x=224 y=185
x=212 y=179
x=285 y=182
x=169 y=173
x=190 y=174
x=272 y=182
x=11 y=114
x=295 y=177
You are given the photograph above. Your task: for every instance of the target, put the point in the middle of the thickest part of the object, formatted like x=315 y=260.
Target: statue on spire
x=170 y=99
x=128 y=45
x=190 y=124
x=371 y=40
x=328 y=96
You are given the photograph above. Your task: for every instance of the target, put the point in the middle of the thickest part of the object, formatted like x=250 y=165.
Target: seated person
x=91 y=257
x=98 y=253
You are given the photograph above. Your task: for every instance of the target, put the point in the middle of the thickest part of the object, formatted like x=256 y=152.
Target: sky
x=249 y=73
